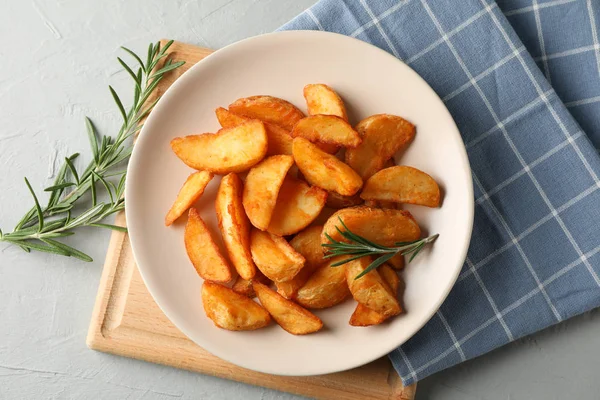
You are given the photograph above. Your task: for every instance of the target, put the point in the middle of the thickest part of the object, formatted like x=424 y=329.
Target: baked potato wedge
x=234 y=225
x=402 y=184
x=326 y=287
x=321 y=99
x=289 y=315
x=364 y=316
x=279 y=141
x=268 y=109
x=274 y=256
x=371 y=290
x=379 y=225
x=232 y=311
x=189 y=193
x=203 y=251
x=229 y=150
x=297 y=206
x=244 y=286
x=327 y=129
x=262 y=188
x=390 y=277
x=382 y=136
x=325 y=170
x=307 y=243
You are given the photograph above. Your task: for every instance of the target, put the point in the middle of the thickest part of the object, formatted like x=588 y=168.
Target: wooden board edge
x=105 y=289
x=126 y=343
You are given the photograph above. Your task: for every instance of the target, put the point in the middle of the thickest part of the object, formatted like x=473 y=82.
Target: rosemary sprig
x=41 y=225
x=358 y=247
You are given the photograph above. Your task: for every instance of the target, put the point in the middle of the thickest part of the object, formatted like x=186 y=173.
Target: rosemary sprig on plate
x=42 y=225
x=358 y=247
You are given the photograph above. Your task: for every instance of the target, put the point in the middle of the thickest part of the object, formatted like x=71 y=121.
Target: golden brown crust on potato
x=279 y=140
x=383 y=135
x=382 y=226
x=325 y=170
x=402 y=184
x=307 y=243
x=370 y=289
x=229 y=150
x=364 y=316
x=189 y=193
x=232 y=311
x=262 y=188
x=268 y=109
x=321 y=99
x=325 y=288
x=289 y=315
x=203 y=251
x=234 y=225
x=297 y=206
x=327 y=129
x=273 y=255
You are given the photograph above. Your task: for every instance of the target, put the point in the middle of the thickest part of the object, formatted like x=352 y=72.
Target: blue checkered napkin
x=562 y=38
x=534 y=259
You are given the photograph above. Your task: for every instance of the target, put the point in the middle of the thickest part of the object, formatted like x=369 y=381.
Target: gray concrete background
x=56 y=59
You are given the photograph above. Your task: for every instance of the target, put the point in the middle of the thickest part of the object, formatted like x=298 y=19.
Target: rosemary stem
x=108 y=153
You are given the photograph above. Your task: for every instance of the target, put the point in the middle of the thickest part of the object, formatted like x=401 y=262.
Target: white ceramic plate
x=370 y=81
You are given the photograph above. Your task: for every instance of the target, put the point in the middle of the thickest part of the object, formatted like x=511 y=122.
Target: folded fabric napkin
x=534 y=258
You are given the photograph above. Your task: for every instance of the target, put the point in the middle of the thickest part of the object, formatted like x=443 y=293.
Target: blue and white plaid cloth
x=534 y=259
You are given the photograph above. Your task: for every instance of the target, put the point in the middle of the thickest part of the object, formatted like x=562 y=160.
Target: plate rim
x=171 y=315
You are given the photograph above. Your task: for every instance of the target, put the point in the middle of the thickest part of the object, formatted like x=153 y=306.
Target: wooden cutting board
x=126 y=321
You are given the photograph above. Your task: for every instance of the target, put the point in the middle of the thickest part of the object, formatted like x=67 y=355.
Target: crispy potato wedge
x=371 y=290
x=274 y=256
x=262 y=188
x=335 y=200
x=383 y=135
x=325 y=170
x=268 y=109
x=297 y=206
x=402 y=184
x=327 y=129
x=232 y=311
x=397 y=262
x=307 y=243
x=229 y=150
x=364 y=316
x=203 y=251
x=244 y=286
x=382 y=226
x=189 y=193
x=321 y=99
x=289 y=315
x=390 y=277
x=325 y=288
x=234 y=225
x=279 y=141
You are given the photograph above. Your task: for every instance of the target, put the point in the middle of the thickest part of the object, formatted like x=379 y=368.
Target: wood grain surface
x=126 y=321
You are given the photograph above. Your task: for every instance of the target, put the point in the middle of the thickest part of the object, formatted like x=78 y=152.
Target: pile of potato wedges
x=287 y=180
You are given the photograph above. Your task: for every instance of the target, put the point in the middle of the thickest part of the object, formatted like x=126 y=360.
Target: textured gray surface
x=57 y=58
